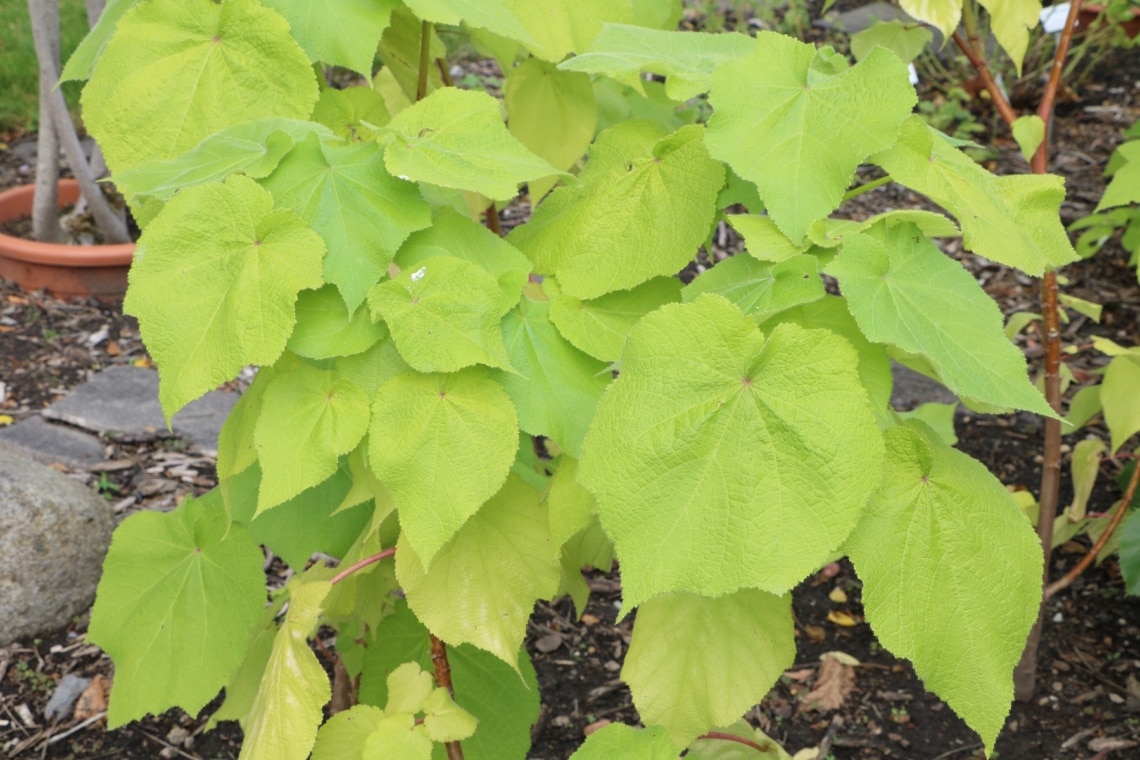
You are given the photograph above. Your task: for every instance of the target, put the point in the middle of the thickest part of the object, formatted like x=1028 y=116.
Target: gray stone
x=50 y=443
x=54 y=533
x=122 y=402
x=912 y=389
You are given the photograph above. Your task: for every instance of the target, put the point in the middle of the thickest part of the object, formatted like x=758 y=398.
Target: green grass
x=19 y=75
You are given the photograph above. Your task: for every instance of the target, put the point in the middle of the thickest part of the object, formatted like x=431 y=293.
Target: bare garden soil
x=1088 y=700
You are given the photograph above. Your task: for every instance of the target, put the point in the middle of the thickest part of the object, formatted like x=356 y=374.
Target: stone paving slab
x=912 y=389
x=858 y=19
x=49 y=443
x=122 y=402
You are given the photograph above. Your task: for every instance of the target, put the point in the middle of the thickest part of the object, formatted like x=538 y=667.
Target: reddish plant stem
x=1087 y=560
x=493 y=224
x=444 y=74
x=443 y=680
x=738 y=739
x=972 y=48
x=354 y=567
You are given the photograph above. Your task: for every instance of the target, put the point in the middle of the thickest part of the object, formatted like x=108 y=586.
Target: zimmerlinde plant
x=409 y=358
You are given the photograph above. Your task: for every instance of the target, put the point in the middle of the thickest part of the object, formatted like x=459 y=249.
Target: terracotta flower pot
x=63 y=270
x=1089 y=14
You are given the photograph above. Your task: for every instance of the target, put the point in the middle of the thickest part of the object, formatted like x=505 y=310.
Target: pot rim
x=17 y=202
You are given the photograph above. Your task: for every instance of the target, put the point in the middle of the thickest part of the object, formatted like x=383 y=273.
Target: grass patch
x=19 y=74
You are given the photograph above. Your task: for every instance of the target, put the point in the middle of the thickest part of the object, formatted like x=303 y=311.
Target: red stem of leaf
x=443 y=680
x=738 y=739
x=355 y=566
x=493 y=224
x=1087 y=560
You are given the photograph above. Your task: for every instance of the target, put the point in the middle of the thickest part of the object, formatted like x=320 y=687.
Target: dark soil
x=1088 y=700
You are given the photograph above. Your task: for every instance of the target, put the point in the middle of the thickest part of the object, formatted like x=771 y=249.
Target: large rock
x=54 y=533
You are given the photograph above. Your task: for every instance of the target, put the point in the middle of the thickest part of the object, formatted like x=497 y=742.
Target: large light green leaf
x=309 y=419
x=505 y=705
x=1120 y=398
x=1010 y=22
x=342 y=737
x=763 y=238
x=714 y=748
x=903 y=291
x=599 y=326
x=761 y=288
x=492 y=15
x=483 y=583
x=632 y=217
x=552 y=113
x=452 y=234
x=831 y=313
x=618 y=741
x=1013 y=220
x=177 y=71
x=906 y=40
x=695 y=664
x=686 y=59
x=361 y=212
x=444 y=315
x=798 y=122
x=180 y=595
x=560 y=27
x=555 y=386
x=723 y=458
x=456 y=138
x=340 y=32
x=82 y=61
x=943 y=15
x=253 y=148
x=443 y=445
x=352 y=113
x=213 y=285
x=951 y=573
x=283 y=722
x=571 y=507
x=325 y=328
x=304 y=525
x=236 y=449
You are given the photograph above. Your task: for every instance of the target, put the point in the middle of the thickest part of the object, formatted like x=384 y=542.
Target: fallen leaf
x=597 y=725
x=1110 y=742
x=549 y=642
x=842 y=618
x=843 y=657
x=836 y=680
x=144 y=362
x=93 y=700
x=816 y=633
x=811 y=753
x=838 y=595
x=6 y=420
x=7 y=328
x=589 y=619
x=800 y=675
x=113 y=349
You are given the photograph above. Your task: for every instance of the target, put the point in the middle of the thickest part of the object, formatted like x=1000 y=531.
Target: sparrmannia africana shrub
x=409 y=356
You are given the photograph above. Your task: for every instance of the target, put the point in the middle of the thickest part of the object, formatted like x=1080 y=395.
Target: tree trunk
x=45 y=207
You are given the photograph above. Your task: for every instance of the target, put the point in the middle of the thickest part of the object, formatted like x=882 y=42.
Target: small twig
x=444 y=74
x=425 y=60
x=355 y=566
x=979 y=63
x=169 y=746
x=767 y=747
x=1087 y=560
x=829 y=737
x=443 y=680
x=76 y=729
x=967 y=748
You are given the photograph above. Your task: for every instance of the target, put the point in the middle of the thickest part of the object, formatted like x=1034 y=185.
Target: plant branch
x=866 y=187
x=1049 y=98
x=425 y=60
x=45 y=204
x=739 y=740
x=443 y=680
x=1080 y=567
x=357 y=566
x=977 y=59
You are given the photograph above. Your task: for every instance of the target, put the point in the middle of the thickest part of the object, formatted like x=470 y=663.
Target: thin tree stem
x=977 y=60
x=443 y=680
x=738 y=739
x=45 y=204
x=357 y=566
x=1087 y=560
x=425 y=60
